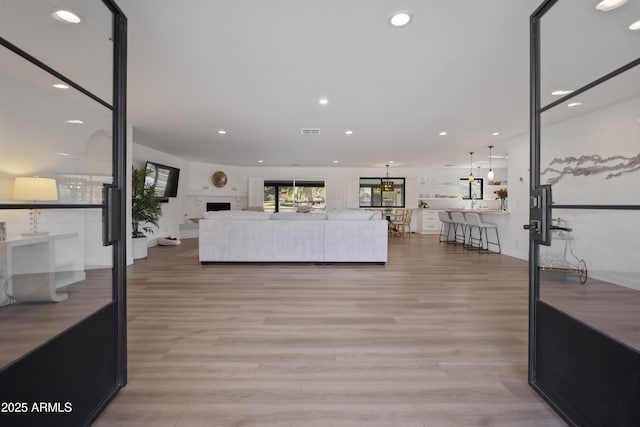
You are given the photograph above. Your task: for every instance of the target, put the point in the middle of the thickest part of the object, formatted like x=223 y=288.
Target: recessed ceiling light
x=496 y=134
x=635 y=26
x=260 y=161
x=400 y=19
x=443 y=133
x=222 y=132
x=391 y=161
x=607 y=5
x=323 y=101
x=336 y=161
x=60 y=86
x=574 y=104
x=561 y=92
x=75 y=122
x=66 y=16
x=62 y=154
x=348 y=132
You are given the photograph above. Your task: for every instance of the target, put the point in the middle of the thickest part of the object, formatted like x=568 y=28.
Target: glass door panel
x=571 y=32
x=51 y=281
x=54 y=267
x=591 y=158
x=285 y=199
x=310 y=195
x=48 y=131
x=269 y=203
x=591 y=273
x=589 y=153
x=81 y=51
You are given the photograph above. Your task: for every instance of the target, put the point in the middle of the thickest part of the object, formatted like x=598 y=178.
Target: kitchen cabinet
x=429 y=221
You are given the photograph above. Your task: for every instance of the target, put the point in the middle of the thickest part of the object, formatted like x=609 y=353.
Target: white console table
x=28 y=263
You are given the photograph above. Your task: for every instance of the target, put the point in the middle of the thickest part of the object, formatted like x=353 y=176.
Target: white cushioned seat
x=298 y=216
x=237 y=215
x=351 y=215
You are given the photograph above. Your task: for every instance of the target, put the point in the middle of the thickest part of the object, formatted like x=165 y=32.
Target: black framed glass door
x=62 y=170
x=584 y=354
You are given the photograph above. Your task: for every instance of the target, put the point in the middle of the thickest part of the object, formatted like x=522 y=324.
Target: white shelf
x=436 y=189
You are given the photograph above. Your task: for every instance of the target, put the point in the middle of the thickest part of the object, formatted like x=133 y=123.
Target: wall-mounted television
x=164 y=177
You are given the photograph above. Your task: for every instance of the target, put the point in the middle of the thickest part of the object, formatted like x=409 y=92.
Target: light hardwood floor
x=437 y=337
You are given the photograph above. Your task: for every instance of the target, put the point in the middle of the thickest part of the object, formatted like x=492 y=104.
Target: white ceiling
x=257 y=69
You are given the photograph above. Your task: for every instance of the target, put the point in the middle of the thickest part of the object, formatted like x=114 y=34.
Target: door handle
x=540 y=215
x=533 y=225
x=111 y=222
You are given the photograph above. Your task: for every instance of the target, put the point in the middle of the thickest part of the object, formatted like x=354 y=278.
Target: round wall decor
x=219 y=179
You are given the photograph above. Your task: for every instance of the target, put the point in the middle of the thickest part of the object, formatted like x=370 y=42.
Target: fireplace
x=218 y=206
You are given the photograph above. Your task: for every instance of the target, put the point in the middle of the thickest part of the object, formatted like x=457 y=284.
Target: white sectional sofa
x=246 y=236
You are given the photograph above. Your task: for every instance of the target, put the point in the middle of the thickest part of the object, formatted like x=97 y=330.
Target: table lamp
x=35 y=189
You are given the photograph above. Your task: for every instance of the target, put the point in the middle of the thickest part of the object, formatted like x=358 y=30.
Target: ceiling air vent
x=310 y=131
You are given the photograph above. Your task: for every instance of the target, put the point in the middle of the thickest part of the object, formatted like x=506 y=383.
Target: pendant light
x=388 y=184
x=471 y=178
x=490 y=175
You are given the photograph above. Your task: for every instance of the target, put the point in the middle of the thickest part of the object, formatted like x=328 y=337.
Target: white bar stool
x=474 y=223
x=481 y=243
x=446 y=233
x=486 y=226
x=460 y=224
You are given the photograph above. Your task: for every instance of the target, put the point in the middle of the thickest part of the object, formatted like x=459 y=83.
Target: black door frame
x=587 y=377
x=86 y=365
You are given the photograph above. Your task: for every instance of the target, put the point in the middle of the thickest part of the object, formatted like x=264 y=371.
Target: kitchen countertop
x=481 y=211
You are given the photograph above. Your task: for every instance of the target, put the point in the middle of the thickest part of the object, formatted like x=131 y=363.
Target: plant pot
x=139 y=247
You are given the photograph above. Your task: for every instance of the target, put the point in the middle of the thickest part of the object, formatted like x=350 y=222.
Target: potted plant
x=145 y=211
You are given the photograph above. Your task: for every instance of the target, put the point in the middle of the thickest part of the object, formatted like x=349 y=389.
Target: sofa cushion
x=352 y=215
x=299 y=216
x=237 y=215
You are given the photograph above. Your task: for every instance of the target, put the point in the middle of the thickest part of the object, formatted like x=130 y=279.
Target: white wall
x=342 y=185
x=514 y=238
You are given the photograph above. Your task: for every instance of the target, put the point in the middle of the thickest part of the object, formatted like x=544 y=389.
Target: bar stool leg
x=473 y=242
x=488 y=243
x=442 y=232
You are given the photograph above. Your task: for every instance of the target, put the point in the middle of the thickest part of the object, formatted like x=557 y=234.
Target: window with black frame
x=382 y=192
x=472 y=189
x=294 y=196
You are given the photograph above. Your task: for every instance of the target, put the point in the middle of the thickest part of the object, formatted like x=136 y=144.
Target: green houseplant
x=145 y=211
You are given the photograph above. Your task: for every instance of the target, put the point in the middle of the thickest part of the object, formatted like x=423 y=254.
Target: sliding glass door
x=585 y=151
x=292 y=196
x=62 y=136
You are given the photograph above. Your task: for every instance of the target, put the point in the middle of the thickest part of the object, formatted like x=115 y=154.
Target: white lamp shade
x=35 y=189
x=490 y=175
